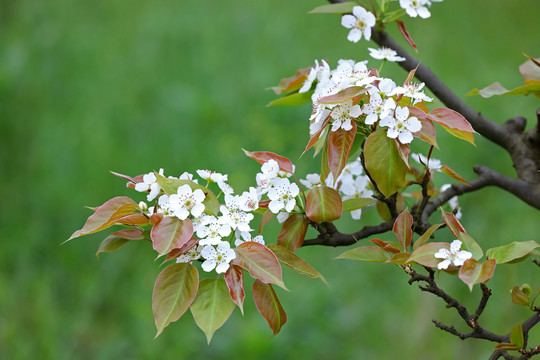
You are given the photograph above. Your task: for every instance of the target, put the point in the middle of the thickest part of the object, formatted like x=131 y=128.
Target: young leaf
x=471 y=245
x=427 y=132
x=111 y=243
x=516 y=335
x=532 y=87
x=105 y=215
x=170 y=186
x=530 y=69
x=267 y=216
x=403 y=150
x=260 y=262
x=133 y=219
x=323 y=204
x=384 y=163
x=344 y=95
x=472 y=272
x=400 y=258
x=263 y=156
x=406 y=35
x=293 y=232
x=287 y=257
x=453 y=223
x=403 y=229
x=174 y=253
x=519 y=297
x=338 y=8
x=339 y=146
x=366 y=253
x=357 y=203
x=212 y=306
x=453 y=122
x=294 y=99
x=268 y=305
x=512 y=251
x=386 y=246
x=175 y=289
x=425 y=254
x=425 y=236
x=171 y=233
x=292 y=83
x=234 y=278
x=454 y=175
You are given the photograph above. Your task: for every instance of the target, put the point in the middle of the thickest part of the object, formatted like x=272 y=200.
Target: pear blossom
x=401 y=126
x=455 y=256
x=217 y=258
x=311 y=180
x=415 y=8
x=453 y=202
x=385 y=54
x=282 y=216
x=342 y=115
x=186 y=202
x=282 y=195
x=245 y=236
x=360 y=23
x=377 y=108
x=192 y=254
x=432 y=164
x=385 y=87
x=412 y=91
x=235 y=218
x=212 y=233
x=318 y=72
x=349 y=73
x=149 y=183
x=249 y=201
x=212 y=176
x=187 y=176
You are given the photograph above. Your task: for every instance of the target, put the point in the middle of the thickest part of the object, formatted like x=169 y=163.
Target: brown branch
x=330 y=236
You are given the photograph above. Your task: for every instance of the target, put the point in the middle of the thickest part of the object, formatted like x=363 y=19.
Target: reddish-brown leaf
x=403 y=229
x=133 y=219
x=174 y=253
x=263 y=156
x=293 y=232
x=453 y=122
x=472 y=272
x=453 y=223
x=292 y=83
x=339 y=147
x=260 y=262
x=267 y=216
x=171 y=233
x=406 y=35
x=386 y=246
x=454 y=175
x=288 y=258
x=343 y=95
x=234 y=278
x=130 y=234
x=427 y=132
x=403 y=150
x=323 y=204
x=269 y=306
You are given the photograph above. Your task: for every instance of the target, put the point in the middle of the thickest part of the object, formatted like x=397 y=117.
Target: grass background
x=87 y=87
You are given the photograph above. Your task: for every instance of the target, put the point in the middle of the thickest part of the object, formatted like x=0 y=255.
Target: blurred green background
x=88 y=87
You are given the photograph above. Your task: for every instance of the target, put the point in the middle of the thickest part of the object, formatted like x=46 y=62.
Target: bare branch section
x=330 y=236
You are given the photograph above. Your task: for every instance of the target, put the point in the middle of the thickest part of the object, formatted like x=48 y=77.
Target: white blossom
x=343 y=115
x=385 y=53
x=401 y=126
x=217 y=258
x=282 y=195
x=433 y=164
x=235 y=218
x=453 y=202
x=349 y=73
x=455 y=256
x=186 y=201
x=245 y=236
x=412 y=91
x=192 y=254
x=416 y=8
x=212 y=233
x=319 y=72
x=149 y=183
x=360 y=23
x=377 y=108
x=212 y=176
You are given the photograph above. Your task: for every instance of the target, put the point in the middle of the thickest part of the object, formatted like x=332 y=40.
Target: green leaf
x=234 y=278
x=453 y=122
x=384 y=163
x=294 y=99
x=339 y=8
x=269 y=306
x=260 y=262
x=453 y=223
x=400 y=258
x=175 y=289
x=425 y=236
x=263 y=156
x=287 y=257
x=471 y=246
x=425 y=254
x=532 y=87
x=339 y=146
x=357 y=203
x=506 y=346
x=514 y=250
x=323 y=204
x=293 y=232
x=516 y=335
x=105 y=215
x=519 y=297
x=472 y=272
x=170 y=186
x=403 y=229
x=292 y=83
x=212 y=306
x=366 y=253
x=170 y=233
x=118 y=239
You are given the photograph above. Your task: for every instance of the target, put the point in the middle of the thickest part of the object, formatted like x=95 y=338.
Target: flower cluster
x=375 y=103
x=351 y=184
x=217 y=231
x=455 y=256
x=415 y=8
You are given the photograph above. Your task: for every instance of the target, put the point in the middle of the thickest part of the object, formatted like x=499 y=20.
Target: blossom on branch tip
x=319 y=73
x=385 y=54
x=401 y=126
x=149 y=183
x=282 y=195
x=415 y=8
x=360 y=23
x=217 y=258
x=187 y=201
x=455 y=256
